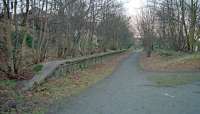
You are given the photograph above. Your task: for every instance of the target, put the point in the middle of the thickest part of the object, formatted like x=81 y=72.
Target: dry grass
x=185 y=62
x=173 y=80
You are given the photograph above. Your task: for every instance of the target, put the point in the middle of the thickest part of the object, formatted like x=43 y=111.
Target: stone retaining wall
x=58 y=68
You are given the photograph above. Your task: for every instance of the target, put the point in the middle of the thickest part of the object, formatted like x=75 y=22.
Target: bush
x=29 y=41
x=37 y=68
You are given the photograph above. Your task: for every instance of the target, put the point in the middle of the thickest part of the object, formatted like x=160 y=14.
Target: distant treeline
x=171 y=24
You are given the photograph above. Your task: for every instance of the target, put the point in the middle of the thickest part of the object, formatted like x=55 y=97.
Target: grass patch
x=166 y=60
x=37 y=68
x=174 y=55
x=173 y=80
x=169 y=53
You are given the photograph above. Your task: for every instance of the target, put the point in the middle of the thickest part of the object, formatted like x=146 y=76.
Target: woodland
x=170 y=25
x=36 y=31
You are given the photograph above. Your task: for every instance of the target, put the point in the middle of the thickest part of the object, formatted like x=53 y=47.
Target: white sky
x=133 y=6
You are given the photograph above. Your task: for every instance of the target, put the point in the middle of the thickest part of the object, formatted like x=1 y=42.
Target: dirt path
x=127 y=91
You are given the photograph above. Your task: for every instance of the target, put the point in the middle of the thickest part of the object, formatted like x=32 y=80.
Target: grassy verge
x=163 y=60
x=38 y=100
x=165 y=80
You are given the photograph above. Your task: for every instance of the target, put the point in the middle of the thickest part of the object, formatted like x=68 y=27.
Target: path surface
x=127 y=91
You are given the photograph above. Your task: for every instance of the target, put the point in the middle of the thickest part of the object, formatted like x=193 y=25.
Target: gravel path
x=127 y=91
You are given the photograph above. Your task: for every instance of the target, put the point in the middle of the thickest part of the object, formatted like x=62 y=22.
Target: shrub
x=37 y=68
x=29 y=41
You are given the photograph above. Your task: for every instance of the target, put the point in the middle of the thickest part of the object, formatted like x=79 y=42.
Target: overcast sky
x=133 y=6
